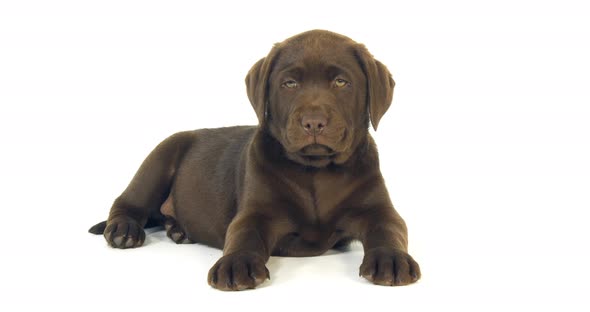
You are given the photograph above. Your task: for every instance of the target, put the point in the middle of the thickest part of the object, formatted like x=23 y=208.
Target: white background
x=485 y=149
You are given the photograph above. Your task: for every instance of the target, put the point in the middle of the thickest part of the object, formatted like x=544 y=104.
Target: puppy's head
x=316 y=92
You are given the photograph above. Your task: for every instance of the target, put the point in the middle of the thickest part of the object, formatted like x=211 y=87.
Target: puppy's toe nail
x=178 y=237
x=130 y=243
x=117 y=241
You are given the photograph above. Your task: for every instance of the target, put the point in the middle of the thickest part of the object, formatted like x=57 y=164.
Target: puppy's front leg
x=387 y=262
x=247 y=248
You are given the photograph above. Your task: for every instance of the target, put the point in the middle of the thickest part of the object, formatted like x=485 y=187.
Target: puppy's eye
x=340 y=83
x=291 y=84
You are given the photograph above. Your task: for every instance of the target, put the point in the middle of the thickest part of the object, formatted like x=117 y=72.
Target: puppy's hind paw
x=175 y=232
x=124 y=233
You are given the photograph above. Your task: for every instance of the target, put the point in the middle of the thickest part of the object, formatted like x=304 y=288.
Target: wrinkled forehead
x=317 y=53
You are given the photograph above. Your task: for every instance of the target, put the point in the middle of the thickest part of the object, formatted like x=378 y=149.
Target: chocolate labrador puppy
x=303 y=181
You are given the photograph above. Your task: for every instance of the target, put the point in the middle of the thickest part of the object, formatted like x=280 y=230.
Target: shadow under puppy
x=305 y=180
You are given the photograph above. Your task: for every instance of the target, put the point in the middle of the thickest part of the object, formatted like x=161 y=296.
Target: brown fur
x=305 y=180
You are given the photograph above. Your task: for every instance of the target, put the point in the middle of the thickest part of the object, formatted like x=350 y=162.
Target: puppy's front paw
x=238 y=271
x=124 y=233
x=390 y=267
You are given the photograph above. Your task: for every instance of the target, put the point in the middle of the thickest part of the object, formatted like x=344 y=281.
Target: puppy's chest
x=322 y=198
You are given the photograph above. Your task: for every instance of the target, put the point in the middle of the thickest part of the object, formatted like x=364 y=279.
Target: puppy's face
x=317 y=100
x=316 y=97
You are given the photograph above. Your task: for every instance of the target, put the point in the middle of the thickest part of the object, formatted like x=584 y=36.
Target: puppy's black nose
x=314 y=123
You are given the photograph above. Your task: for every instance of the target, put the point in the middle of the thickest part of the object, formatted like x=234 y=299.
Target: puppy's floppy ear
x=257 y=84
x=380 y=85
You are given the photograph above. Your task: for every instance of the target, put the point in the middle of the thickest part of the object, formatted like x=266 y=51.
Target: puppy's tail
x=98 y=228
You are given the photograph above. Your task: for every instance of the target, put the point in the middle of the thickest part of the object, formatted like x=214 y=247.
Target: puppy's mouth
x=316 y=152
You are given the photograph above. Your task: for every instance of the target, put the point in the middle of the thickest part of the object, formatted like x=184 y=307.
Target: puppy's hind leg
x=146 y=193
